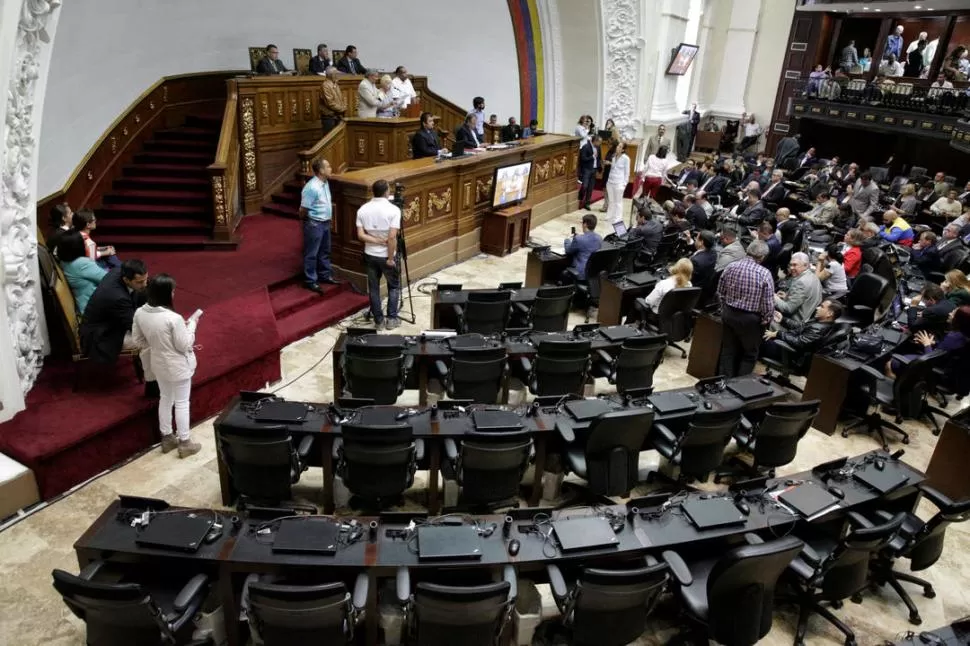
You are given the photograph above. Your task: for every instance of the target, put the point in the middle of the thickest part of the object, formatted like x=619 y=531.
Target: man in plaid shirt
x=747 y=294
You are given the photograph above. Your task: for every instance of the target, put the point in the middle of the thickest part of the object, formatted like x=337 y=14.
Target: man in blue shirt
x=580 y=247
x=316 y=211
x=478 y=104
x=894 y=43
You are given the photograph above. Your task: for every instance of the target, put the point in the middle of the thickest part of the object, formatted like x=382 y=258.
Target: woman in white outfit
x=680 y=275
x=616 y=183
x=171 y=340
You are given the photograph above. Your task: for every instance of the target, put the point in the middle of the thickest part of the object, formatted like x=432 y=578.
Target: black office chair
x=864 y=300
x=730 y=598
x=633 y=367
x=486 y=312
x=797 y=362
x=663 y=256
x=474 y=373
x=377 y=463
x=917 y=171
x=772 y=442
x=264 y=464
x=559 y=367
x=375 y=367
x=444 y=615
x=709 y=301
x=834 y=569
x=286 y=614
x=951 y=180
x=608 y=607
x=488 y=466
x=675 y=316
x=905 y=396
x=700 y=449
x=952 y=259
x=608 y=457
x=920 y=542
x=125 y=613
x=598 y=267
x=550 y=311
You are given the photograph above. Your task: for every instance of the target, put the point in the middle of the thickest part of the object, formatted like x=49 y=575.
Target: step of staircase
x=284 y=210
x=164 y=170
x=152 y=183
x=108 y=211
x=300 y=312
x=175 y=157
x=183 y=133
x=209 y=122
x=165 y=226
x=183 y=145
x=127 y=243
x=175 y=196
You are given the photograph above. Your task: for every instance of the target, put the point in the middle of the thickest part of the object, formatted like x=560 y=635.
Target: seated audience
x=425 y=142
x=170 y=341
x=466 y=134
x=955 y=339
x=863 y=195
x=787 y=225
x=701 y=198
x=755 y=212
x=696 y=214
x=804 y=291
x=106 y=328
x=580 y=247
x=804 y=337
x=703 y=259
x=271 y=63
x=940 y=186
x=950 y=240
x=896 y=229
x=648 y=229
x=775 y=191
x=957 y=287
x=830 y=270
x=824 y=211
x=349 y=63
x=767 y=235
x=511 y=132
x=680 y=274
x=927 y=195
x=83 y=274
x=948 y=206
x=60 y=222
x=908 y=203
x=929 y=311
x=926 y=254
x=731 y=249
x=686 y=172
x=852 y=253
x=85 y=222
x=677 y=220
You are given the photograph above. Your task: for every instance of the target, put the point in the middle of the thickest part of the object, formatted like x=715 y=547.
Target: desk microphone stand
x=402 y=251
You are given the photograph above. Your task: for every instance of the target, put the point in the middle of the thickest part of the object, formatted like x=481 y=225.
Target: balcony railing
x=905 y=97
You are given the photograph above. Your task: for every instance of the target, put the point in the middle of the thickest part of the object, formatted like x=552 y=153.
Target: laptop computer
x=448 y=542
x=183 y=532
x=458 y=149
x=496 y=420
x=670 y=403
x=619 y=228
x=587 y=409
x=591 y=532
x=809 y=500
x=641 y=278
x=749 y=389
x=881 y=481
x=282 y=412
x=307 y=536
x=710 y=513
x=472 y=340
x=617 y=333
x=448 y=287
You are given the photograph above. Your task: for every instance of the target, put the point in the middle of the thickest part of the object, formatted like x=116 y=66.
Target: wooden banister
x=332 y=147
x=224 y=171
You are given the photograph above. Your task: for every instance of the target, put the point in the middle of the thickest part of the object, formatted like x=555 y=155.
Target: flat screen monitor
x=511 y=184
x=683 y=57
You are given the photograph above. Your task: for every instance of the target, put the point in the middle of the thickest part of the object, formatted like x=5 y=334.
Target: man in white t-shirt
x=378 y=223
x=402 y=88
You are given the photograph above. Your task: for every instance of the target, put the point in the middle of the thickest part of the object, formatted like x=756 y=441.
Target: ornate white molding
x=17 y=237
x=621 y=23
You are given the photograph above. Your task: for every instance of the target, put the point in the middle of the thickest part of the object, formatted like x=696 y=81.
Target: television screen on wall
x=683 y=57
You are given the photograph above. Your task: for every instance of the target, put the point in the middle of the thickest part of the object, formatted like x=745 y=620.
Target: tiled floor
x=31 y=612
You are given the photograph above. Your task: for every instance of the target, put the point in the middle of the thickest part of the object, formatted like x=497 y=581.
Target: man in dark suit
x=511 y=132
x=934 y=316
x=648 y=230
x=106 y=328
x=926 y=253
x=694 y=119
x=767 y=235
x=687 y=172
x=754 y=212
x=805 y=337
x=320 y=62
x=703 y=260
x=696 y=214
x=425 y=142
x=466 y=132
x=579 y=248
x=717 y=185
x=589 y=163
x=271 y=63
x=787 y=225
x=775 y=192
x=350 y=64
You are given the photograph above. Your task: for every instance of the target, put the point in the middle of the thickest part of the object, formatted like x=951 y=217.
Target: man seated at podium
x=466 y=134
x=350 y=64
x=320 y=62
x=425 y=142
x=511 y=132
x=271 y=63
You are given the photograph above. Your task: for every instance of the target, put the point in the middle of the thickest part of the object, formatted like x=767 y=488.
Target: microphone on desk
x=507 y=527
x=533 y=409
x=372 y=531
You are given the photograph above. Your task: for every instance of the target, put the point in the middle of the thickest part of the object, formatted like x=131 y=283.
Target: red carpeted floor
x=254 y=304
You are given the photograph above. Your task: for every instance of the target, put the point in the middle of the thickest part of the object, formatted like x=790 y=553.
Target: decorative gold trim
x=483 y=189
x=381 y=147
x=137 y=119
x=413 y=210
x=467 y=188
x=264 y=109
x=124 y=131
x=542 y=171
x=165 y=94
x=307 y=107
x=249 y=143
x=90 y=176
x=114 y=145
x=440 y=202
x=219 y=199
x=151 y=105
x=279 y=107
x=294 y=108
x=559 y=166
x=361 y=145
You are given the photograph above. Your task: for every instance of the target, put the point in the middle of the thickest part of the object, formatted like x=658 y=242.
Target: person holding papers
x=402 y=89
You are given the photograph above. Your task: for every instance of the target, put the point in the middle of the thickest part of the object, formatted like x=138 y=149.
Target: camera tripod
x=402 y=251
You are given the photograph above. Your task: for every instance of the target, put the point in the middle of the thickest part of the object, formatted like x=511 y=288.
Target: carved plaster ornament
x=621 y=19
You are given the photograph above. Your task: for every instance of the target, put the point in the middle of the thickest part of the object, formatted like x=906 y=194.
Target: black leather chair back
x=783 y=258
x=492 y=465
x=600 y=264
x=847 y=571
x=487 y=312
x=299 y=615
x=116 y=614
x=917 y=171
x=613 y=450
x=377 y=462
x=702 y=447
x=612 y=606
x=741 y=590
x=550 y=312
x=665 y=250
x=262 y=465
x=675 y=312
x=928 y=543
x=912 y=381
x=477 y=373
x=709 y=298
x=560 y=367
x=865 y=297
x=638 y=360
x=954 y=258
x=445 y=615
x=373 y=369
x=781 y=429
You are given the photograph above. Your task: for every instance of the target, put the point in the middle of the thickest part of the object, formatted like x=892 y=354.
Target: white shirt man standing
x=402 y=87
x=378 y=224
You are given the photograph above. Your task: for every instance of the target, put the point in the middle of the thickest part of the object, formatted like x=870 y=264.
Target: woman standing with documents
x=616 y=183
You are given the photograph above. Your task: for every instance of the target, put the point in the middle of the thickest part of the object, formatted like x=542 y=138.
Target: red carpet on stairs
x=254 y=305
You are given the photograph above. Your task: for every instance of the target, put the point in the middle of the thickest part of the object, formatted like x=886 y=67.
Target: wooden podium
x=506 y=230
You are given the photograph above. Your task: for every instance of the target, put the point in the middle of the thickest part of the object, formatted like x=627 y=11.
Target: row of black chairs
x=492 y=311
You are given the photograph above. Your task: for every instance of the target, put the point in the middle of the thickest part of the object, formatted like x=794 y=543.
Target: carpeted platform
x=253 y=307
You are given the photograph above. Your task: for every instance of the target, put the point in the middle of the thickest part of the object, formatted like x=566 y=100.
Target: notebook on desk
x=281 y=412
x=449 y=542
x=496 y=420
x=641 y=278
x=307 y=536
x=711 y=513
x=809 y=500
x=749 y=389
x=583 y=410
x=670 y=403
x=617 y=333
x=883 y=481
x=588 y=533
x=182 y=532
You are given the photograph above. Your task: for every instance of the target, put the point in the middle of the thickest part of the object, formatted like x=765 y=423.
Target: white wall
x=582 y=65
x=106 y=55
x=769 y=49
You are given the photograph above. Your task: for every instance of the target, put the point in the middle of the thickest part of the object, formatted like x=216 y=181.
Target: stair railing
x=224 y=171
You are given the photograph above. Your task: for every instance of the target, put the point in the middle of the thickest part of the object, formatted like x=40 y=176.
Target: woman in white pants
x=616 y=184
x=171 y=340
